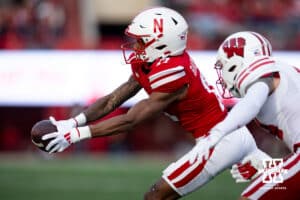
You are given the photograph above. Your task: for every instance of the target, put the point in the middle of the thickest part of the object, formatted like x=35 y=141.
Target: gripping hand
x=66 y=134
x=63 y=125
x=250 y=168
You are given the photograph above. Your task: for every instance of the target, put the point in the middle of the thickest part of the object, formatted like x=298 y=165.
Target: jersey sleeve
x=255 y=69
x=169 y=79
x=246 y=109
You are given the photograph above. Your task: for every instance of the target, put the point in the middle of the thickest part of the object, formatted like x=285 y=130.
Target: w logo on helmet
x=234 y=46
x=158 y=25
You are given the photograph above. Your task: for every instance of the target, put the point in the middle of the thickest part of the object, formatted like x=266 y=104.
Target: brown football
x=38 y=130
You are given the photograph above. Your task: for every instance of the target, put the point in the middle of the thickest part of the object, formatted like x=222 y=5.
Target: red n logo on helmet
x=234 y=46
x=158 y=25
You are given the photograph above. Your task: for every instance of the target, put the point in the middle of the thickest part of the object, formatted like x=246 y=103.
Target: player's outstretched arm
x=101 y=107
x=145 y=109
x=244 y=111
x=110 y=102
x=142 y=111
x=241 y=114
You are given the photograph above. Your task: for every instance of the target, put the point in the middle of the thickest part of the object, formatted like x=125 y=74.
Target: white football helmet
x=163 y=32
x=231 y=55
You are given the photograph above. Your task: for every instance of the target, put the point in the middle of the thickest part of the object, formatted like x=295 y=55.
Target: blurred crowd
x=31 y=24
x=39 y=24
x=55 y=24
x=213 y=20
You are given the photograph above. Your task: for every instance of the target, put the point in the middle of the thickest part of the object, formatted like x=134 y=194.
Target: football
x=38 y=130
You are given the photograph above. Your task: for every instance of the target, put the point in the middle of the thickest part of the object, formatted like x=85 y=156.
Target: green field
x=33 y=177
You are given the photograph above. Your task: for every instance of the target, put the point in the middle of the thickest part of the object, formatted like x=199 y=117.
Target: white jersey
x=282 y=108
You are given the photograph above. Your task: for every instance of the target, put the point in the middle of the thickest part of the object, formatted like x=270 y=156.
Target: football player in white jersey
x=269 y=90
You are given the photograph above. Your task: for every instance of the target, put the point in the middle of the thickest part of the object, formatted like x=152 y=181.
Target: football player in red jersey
x=269 y=91
x=162 y=67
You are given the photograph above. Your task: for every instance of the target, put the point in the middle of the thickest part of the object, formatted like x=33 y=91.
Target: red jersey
x=201 y=109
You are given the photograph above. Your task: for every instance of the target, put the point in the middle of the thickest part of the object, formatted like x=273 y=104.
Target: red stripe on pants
x=189 y=176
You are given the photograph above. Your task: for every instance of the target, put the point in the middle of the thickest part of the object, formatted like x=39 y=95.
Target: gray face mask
x=234 y=91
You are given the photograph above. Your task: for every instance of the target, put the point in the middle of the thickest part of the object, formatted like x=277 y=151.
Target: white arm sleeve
x=245 y=110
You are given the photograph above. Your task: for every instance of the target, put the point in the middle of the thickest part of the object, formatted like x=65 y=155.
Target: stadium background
x=123 y=166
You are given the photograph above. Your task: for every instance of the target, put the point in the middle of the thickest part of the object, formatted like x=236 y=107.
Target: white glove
x=66 y=125
x=202 y=149
x=63 y=125
x=250 y=168
x=63 y=139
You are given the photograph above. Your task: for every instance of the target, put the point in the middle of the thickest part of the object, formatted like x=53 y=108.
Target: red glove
x=247 y=170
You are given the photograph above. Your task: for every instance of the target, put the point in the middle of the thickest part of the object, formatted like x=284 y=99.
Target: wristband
x=80 y=133
x=80 y=119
